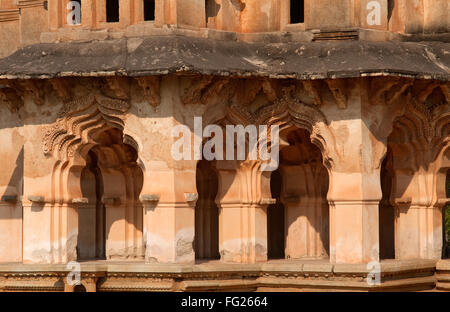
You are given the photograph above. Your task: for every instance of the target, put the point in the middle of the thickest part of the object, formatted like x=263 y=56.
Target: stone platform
x=279 y=275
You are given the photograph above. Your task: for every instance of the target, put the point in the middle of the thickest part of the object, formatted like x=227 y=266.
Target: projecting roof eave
x=164 y=55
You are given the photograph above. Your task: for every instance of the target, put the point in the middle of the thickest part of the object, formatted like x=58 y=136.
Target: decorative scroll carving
x=289 y=111
x=421 y=133
x=81 y=116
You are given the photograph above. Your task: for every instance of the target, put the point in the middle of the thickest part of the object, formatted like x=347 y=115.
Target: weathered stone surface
x=89 y=164
x=182 y=55
x=280 y=276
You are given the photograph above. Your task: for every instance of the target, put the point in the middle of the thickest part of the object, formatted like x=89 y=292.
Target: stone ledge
x=298 y=266
x=162 y=55
x=297 y=275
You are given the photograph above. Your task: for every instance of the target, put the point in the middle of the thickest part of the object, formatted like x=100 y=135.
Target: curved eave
x=162 y=55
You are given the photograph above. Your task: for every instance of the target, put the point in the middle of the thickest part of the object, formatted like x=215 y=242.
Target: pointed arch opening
x=110 y=215
x=301 y=213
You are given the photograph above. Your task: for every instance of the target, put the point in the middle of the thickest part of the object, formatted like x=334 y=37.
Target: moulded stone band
x=404 y=201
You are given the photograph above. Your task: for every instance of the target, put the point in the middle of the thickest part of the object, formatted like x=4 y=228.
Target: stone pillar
x=50 y=231
x=418 y=217
x=10 y=229
x=169 y=199
x=255 y=19
x=190 y=13
x=244 y=194
x=11 y=180
x=436 y=17
x=354 y=194
x=354 y=229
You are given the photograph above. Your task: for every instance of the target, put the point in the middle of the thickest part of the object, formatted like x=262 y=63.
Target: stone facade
x=87 y=113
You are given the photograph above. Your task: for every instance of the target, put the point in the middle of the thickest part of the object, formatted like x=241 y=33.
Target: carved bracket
x=34 y=88
x=120 y=87
x=62 y=88
x=151 y=87
x=65 y=135
x=150 y=198
x=338 y=88
x=11 y=97
x=191 y=197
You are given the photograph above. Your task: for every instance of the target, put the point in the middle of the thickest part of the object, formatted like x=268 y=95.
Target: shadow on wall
x=391 y=7
x=14 y=189
x=386 y=210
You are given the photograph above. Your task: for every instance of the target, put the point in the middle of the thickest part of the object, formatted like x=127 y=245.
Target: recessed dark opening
x=212 y=10
x=297 y=11
x=275 y=220
x=112 y=11
x=391 y=6
x=446 y=215
x=386 y=211
x=149 y=10
x=206 y=243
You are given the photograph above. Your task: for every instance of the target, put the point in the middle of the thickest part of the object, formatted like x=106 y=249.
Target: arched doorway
x=110 y=216
x=206 y=243
x=302 y=182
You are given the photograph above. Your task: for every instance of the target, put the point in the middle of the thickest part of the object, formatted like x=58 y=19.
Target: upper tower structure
x=24 y=22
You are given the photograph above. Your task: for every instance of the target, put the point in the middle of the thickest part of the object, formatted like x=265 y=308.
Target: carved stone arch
x=96 y=124
x=69 y=139
x=81 y=118
x=288 y=111
x=419 y=143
